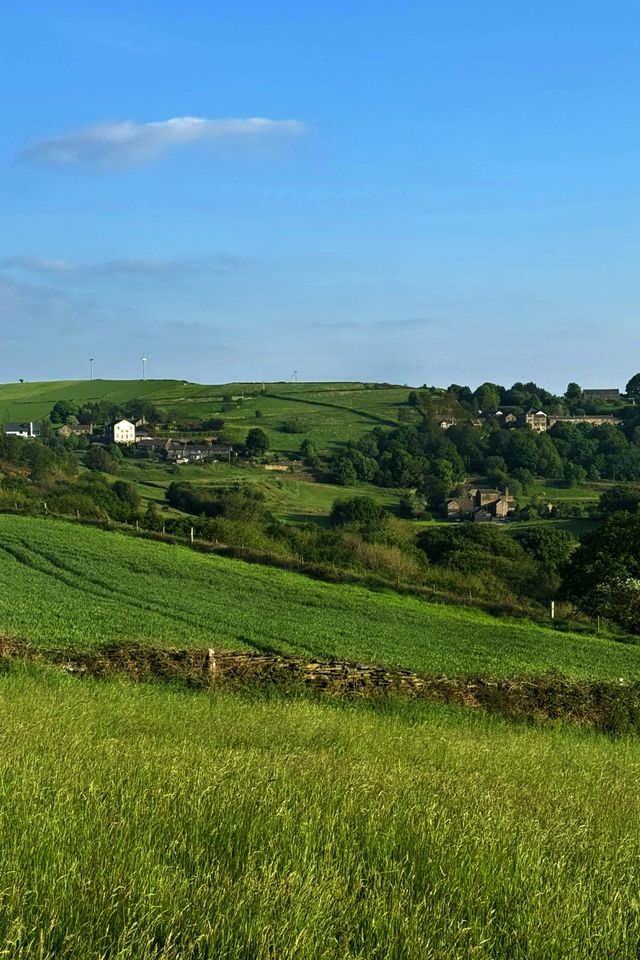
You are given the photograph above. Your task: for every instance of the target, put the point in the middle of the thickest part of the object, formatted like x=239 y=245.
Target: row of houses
x=129 y=432
x=540 y=422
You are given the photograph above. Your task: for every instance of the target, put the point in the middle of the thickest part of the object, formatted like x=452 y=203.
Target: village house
x=27 y=430
x=77 y=429
x=509 y=418
x=123 y=431
x=537 y=420
x=480 y=503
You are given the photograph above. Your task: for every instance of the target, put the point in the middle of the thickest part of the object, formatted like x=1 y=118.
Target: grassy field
x=291 y=496
x=68 y=585
x=331 y=412
x=149 y=823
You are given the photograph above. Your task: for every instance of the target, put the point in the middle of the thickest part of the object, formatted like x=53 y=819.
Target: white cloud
x=125 y=143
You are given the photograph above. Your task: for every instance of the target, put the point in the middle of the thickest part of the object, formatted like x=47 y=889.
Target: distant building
x=608 y=393
x=79 y=429
x=123 y=431
x=540 y=422
x=28 y=430
x=181 y=451
x=537 y=420
x=480 y=503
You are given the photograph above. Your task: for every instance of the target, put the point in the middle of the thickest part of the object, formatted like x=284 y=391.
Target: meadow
x=63 y=584
x=331 y=413
x=291 y=496
x=153 y=823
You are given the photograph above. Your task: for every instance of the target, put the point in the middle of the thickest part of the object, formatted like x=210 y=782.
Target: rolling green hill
x=331 y=413
x=63 y=584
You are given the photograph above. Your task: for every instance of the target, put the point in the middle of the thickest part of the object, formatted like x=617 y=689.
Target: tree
x=550 y=546
x=606 y=557
x=360 y=513
x=309 y=452
x=343 y=470
x=257 y=442
x=573 y=474
x=488 y=396
x=573 y=393
x=127 y=493
x=633 y=388
x=97 y=458
x=618 y=498
x=61 y=410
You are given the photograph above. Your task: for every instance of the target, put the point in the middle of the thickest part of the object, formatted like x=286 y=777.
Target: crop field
x=62 y=584
x=150 y=823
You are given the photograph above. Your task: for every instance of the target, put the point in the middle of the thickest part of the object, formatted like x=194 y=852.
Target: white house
x=123 y=431
x=27 y=430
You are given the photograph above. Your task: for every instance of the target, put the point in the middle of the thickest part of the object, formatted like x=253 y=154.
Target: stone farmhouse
x=480 y=504
x=79 y=430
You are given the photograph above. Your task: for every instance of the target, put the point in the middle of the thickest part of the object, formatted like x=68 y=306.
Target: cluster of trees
x=104 y=411
x=40 y=460
x=603 y=575
x=432 y=461
x=489 y=397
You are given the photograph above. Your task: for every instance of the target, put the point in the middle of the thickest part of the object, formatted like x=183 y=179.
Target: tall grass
x=140 y=822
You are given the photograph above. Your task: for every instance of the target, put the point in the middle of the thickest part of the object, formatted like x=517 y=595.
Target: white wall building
x=123 y=431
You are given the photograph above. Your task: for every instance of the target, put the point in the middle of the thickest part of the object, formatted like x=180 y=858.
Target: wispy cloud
x=57 y=270
x=126 y=143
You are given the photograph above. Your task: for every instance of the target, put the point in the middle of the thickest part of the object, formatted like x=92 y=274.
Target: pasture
x=329 y=413
x=63 y=584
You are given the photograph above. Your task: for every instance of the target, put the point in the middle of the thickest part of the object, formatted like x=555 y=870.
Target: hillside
x=67 y=585
x=329 y=412
x=354 y=406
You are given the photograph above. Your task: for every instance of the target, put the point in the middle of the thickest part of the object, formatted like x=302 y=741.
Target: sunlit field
x=150 y=822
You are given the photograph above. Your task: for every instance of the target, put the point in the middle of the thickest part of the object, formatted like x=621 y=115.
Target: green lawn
x=62 y=584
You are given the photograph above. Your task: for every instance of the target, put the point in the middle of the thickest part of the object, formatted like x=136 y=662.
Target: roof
x=20 y=425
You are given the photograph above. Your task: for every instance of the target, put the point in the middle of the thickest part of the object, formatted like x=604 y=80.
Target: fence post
x=553 y=609
x=191 y=534
x=137 y=526
x=163 y=527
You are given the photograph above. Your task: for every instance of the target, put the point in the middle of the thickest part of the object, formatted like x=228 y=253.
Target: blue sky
x=410 y=192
